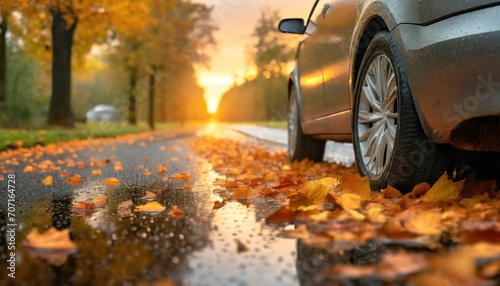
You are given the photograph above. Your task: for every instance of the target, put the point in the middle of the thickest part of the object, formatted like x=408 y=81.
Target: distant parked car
x=403 y=80
x=103 y=112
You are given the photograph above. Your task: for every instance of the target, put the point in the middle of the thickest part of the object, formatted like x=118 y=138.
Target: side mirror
x=292 y=26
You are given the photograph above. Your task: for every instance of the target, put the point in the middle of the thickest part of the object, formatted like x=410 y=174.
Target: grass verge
x=13 y=137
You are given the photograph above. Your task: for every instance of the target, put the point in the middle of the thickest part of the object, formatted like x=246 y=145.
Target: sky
x=236 y=20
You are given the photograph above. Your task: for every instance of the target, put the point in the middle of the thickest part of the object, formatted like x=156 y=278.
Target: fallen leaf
x=48 y=181
x=181 y=176
x=420 y=189
x=300 y=232
x=52 y=239
x=354 y=183
x=83 y=205
x=240 y=246
x=29 y=169
x=242 y=192
x=174 y=159
x=118 y=166
x=100 y=201
x=444 y=190
x=147 y=173
x=152 y=207
x=161 y=169
x=125 y=204
x=75 y=180
x=348 y=200
x=318 y=189
x=112 y=181
x=149 y=196
x=282 y=216
x=186 y=186
x=175 y=212
x=390 y=193
x=231 y=185
x=96 y=173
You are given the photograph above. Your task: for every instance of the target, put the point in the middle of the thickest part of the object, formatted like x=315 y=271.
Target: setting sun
x=215 y=86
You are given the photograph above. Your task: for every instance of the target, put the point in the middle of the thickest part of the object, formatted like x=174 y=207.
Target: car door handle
x=326 y=7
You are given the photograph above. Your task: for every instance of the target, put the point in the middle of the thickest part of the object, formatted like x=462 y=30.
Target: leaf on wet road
x=29 y=169
x=282 y=216
x=125 y=204
x=112 y=181
x=175 y=212
x=96 y=173
x=348 y=201
x=240 y=246
x=152 y=207
x=444 y=190
x=181 y=176
x=318 y=189
x=161 y=169
x=354 y=183
x=52 y=239
x=48 y=181
x=118 y=166
x=75 y=180
x=100 y=201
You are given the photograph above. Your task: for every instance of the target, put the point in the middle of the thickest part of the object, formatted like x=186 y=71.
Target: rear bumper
x=453 y=69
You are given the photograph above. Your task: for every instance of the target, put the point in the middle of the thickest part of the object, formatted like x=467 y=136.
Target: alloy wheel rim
x=378 y=116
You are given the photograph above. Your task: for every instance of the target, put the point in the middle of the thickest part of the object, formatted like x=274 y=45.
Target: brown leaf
x=176 y=212
x=240 y=246
x=420 y=189
x=282 y=216
x=242 y=192
x=390 y=193
x=231 y=185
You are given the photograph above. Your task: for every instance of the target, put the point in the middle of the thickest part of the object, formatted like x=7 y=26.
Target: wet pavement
x=210 y=245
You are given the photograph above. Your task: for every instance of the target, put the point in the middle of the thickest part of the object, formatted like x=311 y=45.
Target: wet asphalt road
x=227 y=246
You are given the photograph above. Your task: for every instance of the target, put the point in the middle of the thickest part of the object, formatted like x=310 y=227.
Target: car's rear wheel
x=389 y=142
x=300 y=145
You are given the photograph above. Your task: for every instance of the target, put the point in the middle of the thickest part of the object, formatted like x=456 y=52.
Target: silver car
x=408 y=82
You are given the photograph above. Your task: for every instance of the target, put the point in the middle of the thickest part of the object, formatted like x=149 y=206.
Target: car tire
x=301 y=146
x=390 y=145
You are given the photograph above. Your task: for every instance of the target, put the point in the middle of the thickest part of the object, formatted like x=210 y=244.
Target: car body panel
x=420 y=29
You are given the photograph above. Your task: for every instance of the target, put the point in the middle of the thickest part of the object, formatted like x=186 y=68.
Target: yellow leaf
x=317 y=190
x=112 y=181
x=48 y=181
x=348 y=201
x=353 y=183
x=444 y=190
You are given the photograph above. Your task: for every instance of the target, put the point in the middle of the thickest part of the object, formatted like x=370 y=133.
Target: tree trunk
x=132 y=101
x=3 y=57
x=152 y=81
x=60 y=112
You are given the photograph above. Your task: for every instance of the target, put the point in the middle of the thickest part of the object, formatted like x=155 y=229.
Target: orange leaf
x=147 y=173
x=100 y=201
x=242 y=192
x=181 y=176
x=29 y=169
x=444 y=190
x=48 y=181
x=75 y=180
x=176 y=212
x=83 y=205
x=231 y=185
x=282 y=216
x=52 y=239
x=186 y=186
x=353 y=183
x=161 y=169
x=112 y=181
x=391 y=192
x=118 y=166
x=420 y=189
x=150 y=207
x=174 y=159
x=96 y=173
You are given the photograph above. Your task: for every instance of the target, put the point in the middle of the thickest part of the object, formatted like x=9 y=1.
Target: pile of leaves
x=333 y=208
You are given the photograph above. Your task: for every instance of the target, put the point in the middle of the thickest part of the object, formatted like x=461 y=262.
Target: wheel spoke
x=366 y=117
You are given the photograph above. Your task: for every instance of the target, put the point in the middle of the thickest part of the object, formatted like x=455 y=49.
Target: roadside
x=335 y=152
x=14 y=138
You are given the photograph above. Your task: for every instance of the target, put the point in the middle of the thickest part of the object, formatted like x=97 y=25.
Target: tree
x=270 y=52
x=94 y=19
x=4 y=14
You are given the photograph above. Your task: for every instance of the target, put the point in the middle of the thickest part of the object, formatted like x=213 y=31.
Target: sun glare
x=215 y=86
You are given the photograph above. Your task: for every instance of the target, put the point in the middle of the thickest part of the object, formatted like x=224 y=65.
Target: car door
x=311 y=67
x=339 y=23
